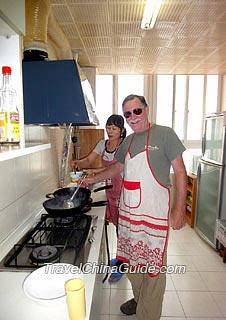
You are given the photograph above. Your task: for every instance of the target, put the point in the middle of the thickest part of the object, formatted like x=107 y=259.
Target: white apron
x=143 y=214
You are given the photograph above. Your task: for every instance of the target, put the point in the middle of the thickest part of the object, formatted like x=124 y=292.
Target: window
x=211 y=93
x=104 y=96
x=195 y=107
x=180 y=104
x=129 y=84
x=164 y=100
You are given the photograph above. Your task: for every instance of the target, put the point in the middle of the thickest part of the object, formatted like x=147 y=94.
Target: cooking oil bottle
x=9 y=116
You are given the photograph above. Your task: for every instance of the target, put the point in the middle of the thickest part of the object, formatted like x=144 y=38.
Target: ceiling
x=189 y=36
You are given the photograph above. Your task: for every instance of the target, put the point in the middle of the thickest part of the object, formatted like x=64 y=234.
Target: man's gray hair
x=133 y=96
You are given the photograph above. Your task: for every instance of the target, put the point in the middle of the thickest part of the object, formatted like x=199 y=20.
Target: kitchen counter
x=13 y=151
x=14 y=304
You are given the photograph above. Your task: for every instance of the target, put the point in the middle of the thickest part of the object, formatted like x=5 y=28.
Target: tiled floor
x=199 y=293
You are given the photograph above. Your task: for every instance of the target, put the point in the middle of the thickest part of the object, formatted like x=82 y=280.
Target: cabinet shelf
x=191 y=199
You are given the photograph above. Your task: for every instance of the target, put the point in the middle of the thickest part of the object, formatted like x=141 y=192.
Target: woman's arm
x=85 y=162
x=94 y=171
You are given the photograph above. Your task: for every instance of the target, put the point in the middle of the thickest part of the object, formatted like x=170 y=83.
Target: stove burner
x=44 y=254
x=64 y=221
x=47 y=242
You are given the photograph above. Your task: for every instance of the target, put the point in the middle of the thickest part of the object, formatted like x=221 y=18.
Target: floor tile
x=196 y=249
x=190 y=281
x=169 y=283
x=220 y=298
x=122 y=284
x=171 y=305
x=199 y=304
x=175 y=249
x=117 y=298
x=105 y=309
x=208 y=263
x=215 y=281
x=181 y=260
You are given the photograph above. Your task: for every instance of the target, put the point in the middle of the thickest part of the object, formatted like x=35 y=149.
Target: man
x=146 y=157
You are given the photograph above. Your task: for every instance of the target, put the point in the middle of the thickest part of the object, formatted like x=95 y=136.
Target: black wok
x=66 y=193
x=55 y=207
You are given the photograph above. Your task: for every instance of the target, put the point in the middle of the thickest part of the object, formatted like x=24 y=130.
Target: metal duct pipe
x=41 y=22
x=37 y=15
x=61 y=44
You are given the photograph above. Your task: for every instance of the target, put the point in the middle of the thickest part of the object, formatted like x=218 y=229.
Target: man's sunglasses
x=136 y=111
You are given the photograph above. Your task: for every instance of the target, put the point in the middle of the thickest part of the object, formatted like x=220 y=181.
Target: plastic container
x=9 y=116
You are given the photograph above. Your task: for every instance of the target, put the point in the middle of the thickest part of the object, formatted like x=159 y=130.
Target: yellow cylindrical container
x=75 y=291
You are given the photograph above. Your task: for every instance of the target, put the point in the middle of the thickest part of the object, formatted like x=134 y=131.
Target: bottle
x=9 y=116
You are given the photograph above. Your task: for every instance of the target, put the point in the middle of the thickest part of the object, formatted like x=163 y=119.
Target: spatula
x=68 y=204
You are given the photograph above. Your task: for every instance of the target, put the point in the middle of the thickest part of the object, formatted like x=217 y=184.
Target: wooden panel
x=191 y=199
x=88 y=140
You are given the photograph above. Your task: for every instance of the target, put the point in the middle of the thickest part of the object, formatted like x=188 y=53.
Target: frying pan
x=54 y=206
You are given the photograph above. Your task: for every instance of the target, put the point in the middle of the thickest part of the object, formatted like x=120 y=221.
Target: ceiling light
x=151 y=11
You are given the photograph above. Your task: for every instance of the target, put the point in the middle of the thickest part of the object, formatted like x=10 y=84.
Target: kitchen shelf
x=191 y=199
x=8 y=152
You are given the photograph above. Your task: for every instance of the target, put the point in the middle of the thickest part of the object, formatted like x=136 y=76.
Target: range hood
x=54 y=94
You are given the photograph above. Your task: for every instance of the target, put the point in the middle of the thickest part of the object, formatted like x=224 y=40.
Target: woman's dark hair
x=118 y=121
x=133 y=96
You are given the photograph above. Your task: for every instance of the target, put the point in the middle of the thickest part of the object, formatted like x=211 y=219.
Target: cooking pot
x=55 y=205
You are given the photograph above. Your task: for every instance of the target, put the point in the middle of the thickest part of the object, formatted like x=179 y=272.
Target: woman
x=106 y=149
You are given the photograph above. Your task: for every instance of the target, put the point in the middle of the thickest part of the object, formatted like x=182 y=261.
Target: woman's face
x=113 y=132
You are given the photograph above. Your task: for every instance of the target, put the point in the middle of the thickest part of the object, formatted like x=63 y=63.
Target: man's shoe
x=129 y=307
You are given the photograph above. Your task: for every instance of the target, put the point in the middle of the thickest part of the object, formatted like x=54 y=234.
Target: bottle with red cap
x=9 y=116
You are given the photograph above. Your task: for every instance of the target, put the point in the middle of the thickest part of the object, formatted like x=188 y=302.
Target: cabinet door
x=88 y=140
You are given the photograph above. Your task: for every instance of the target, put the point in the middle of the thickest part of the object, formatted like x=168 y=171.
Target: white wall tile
x=8 y=221
x=7 y=183
x=35 y=160
x=26 y=180
x=22 y=176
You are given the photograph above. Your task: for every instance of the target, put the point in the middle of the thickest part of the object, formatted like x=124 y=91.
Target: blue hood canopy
x=54 y=94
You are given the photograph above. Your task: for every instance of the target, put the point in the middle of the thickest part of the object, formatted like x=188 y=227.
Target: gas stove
x=53 y=240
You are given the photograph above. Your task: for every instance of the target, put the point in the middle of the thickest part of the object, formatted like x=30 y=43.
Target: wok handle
x=109 y=186
x=99 y=203
x=50 y=196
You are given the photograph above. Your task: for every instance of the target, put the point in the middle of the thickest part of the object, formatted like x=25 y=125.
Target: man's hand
x=177 y=219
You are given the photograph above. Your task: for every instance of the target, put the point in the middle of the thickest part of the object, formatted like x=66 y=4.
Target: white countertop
x=14 y=304
x=8 y=152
